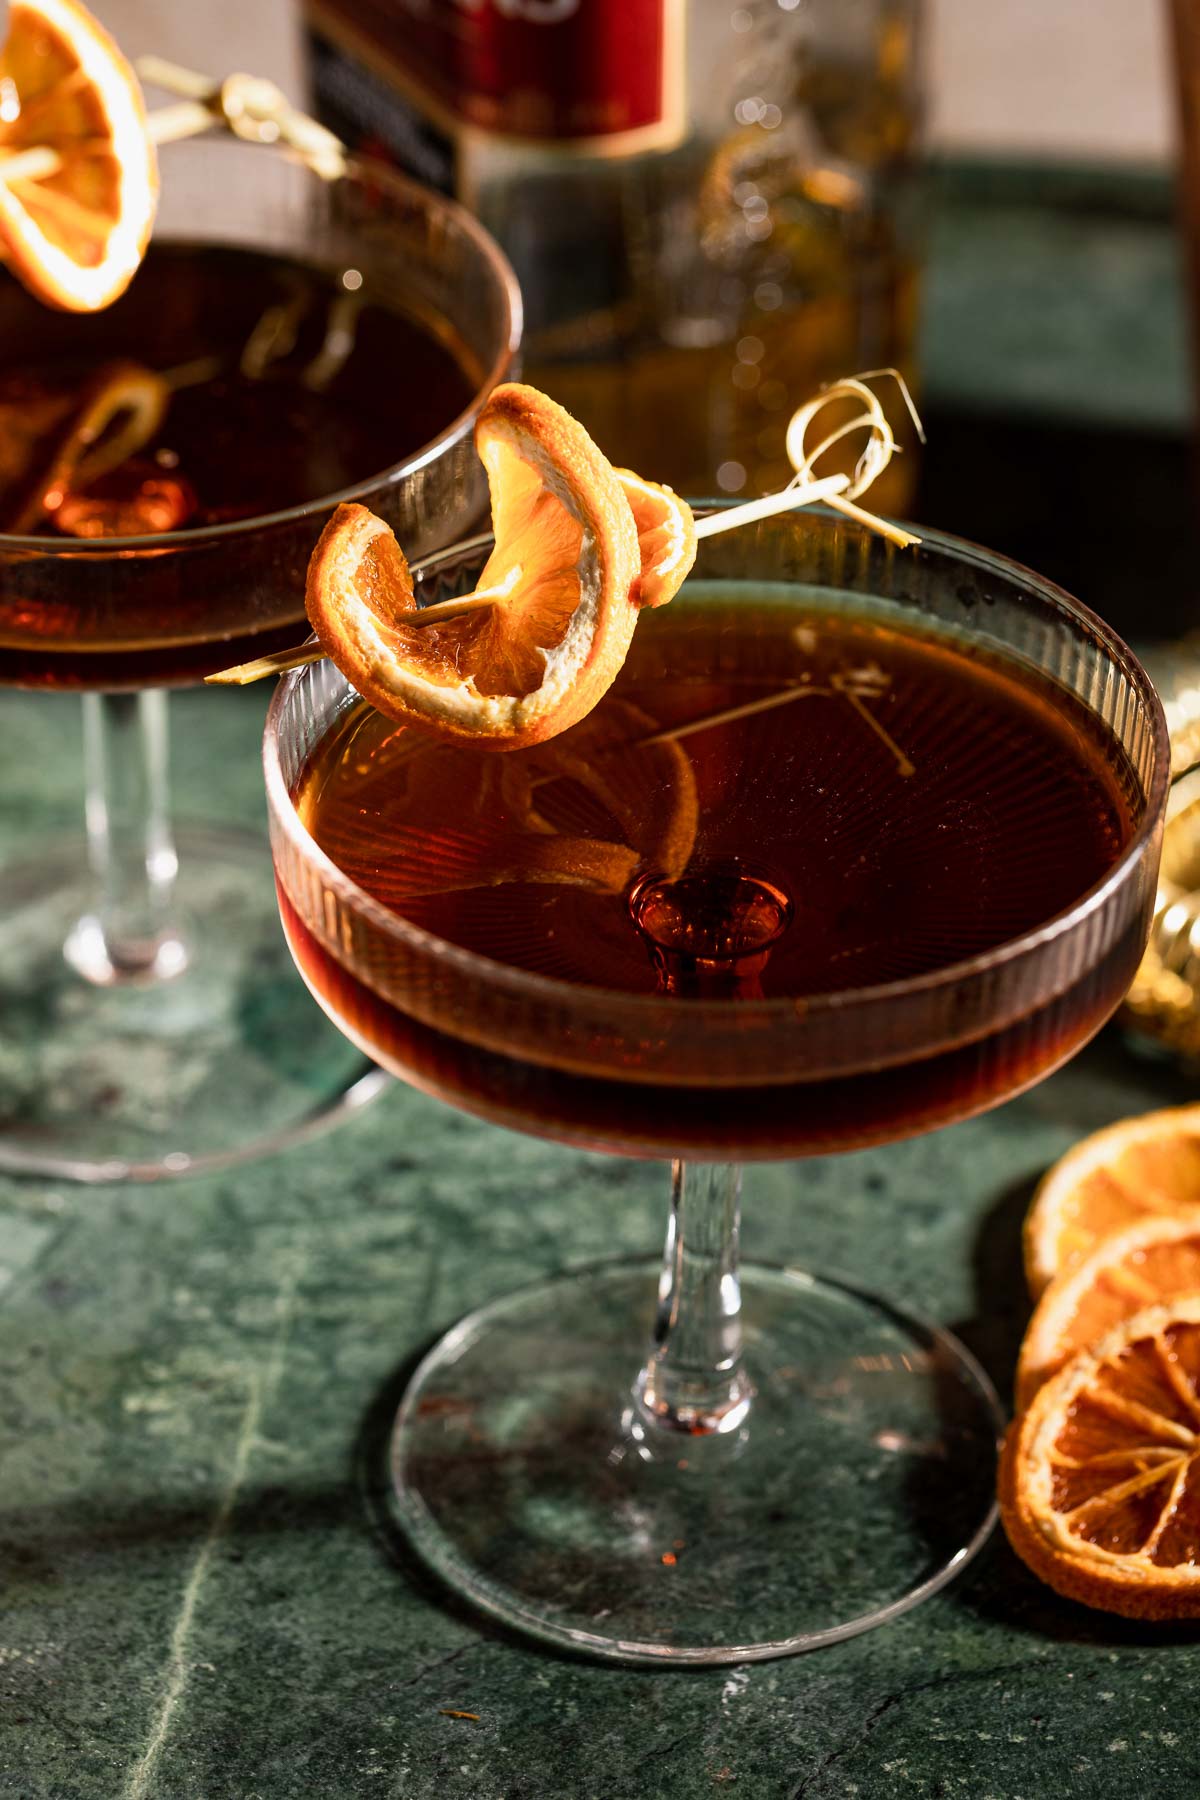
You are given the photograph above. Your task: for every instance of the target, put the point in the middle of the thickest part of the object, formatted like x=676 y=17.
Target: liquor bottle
x=711 y=207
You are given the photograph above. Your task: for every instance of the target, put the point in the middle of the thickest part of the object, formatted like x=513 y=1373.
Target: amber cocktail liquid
x=777 y=801
x=286 y=383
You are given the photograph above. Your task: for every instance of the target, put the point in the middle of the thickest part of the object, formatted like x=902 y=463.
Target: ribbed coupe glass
x=163 y=1040
x=767 y=1483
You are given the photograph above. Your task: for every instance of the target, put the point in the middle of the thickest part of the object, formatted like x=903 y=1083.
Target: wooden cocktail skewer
x=165 y=126
x=445 y=610
x=806 y=494
x=880 y=448
x=881 y=445
x=280 y=661
x=805 y=490
x=247 y=105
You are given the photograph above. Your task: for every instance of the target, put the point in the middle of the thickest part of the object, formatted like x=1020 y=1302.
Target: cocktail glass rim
x=710 y=1013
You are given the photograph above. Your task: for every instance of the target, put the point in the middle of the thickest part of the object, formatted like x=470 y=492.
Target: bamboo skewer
x=805 y=490
x=280 y=661
x=165 y=126
x=445 y=610
x=249 y=107
x=881 y=445
x=825 y=489
x=277 y=663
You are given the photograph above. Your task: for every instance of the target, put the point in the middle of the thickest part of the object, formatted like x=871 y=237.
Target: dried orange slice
x=74 y=236
x=666 y=538
x=512 y=673
x=1151 y=1262
x=1100 y=1479
x=1140 y=1166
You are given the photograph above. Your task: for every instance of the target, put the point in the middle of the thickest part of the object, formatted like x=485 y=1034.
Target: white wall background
x=217 y=37
x=1066 y=78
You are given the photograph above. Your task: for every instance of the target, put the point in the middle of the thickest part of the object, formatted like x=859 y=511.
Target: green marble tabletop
x=198 y=1602
x=198 y=1599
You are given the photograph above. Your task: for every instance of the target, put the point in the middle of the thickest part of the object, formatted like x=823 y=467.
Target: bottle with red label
x=711 y=207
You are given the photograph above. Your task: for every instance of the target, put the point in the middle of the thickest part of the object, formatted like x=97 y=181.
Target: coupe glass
x=164 y=1039
x=760 y=1485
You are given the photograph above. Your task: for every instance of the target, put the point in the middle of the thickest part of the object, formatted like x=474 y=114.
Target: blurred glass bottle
x=711 y=208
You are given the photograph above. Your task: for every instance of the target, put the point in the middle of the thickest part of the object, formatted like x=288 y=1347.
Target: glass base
x=218 y=1056
x=526 y=1478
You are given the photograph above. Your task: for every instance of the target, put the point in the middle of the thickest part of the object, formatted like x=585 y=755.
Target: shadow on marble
x=48 y=1544
x=371 y=1476
x=1001 y=1311
x=1010 y=1597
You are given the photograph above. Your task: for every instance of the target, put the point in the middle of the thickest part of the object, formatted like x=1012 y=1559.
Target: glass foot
x=219 y=1056
x=526 y=1477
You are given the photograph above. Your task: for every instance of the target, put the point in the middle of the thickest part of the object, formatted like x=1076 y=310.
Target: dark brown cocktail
x=862 y=805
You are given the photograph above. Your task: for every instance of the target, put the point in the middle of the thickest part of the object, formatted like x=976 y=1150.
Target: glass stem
x=694 y=1379
x=129 y=934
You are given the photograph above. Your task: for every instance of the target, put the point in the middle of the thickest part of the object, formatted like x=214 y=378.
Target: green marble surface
x=198 y=1602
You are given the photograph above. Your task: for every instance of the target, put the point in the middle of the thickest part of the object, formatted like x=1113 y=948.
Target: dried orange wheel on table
x=1145 y=1265
x=74 y=236
x=1100 y=1479
x=562 y=572
x=666 y=537
x=1111 y=1180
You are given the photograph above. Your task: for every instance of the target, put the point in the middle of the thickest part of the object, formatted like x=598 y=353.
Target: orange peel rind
x=563 y=570
x=666 y=538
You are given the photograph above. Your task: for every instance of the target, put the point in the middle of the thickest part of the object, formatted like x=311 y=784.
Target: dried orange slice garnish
x=1109 y=1181
x=512 y=673
x=1149 y=1263
x=1100 y=1479
x=74 y=236
x=666 y=538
